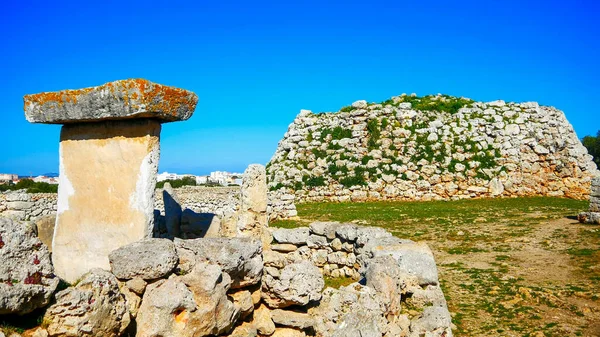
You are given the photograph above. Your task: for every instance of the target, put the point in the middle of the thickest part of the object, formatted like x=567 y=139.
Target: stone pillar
x=109 y=152
x=252 y=219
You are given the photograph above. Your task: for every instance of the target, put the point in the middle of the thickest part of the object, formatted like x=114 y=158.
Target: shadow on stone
x=183 y=224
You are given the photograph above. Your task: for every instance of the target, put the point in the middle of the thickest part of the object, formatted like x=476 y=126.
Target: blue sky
x=255 y=64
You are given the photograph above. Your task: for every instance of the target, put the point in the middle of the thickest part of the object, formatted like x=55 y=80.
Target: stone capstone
x=123 y=99
x=147 y=259
x=27 y=279
x=94 y=307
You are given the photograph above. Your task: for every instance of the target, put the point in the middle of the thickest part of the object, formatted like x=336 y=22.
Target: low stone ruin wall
x=200 y=199
x=281 y=204
x=221 y=201
x=593 y=216
x=234 y=286
x=20 y=205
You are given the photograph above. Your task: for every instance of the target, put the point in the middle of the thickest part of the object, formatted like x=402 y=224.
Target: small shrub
x=313 y=181
x=374 y=133
x=176 y=183
x=347 y=108
x=319 y=153
x=353 y=181
x=277 y=187
x=340 y=133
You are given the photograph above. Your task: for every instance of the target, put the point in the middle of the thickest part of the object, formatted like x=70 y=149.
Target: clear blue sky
x=255 y=64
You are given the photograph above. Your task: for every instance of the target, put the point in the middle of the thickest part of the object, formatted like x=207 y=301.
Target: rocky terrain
x=431 y=148
x=232 y=286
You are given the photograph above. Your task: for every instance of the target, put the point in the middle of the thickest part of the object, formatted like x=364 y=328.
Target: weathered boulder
x=296 y=236
x=292 y=319
x=262 y=320
x=358 y=324
x=288 y=332
x=147 y=259
x=27 y=279
x=354 y=300
x=435 y=321
x=298 y=284
x=413 y=258
x=94 y=307
x=195 y=304
x=241 y=258
x=124 y=99
x=45 y=229
x=385 y=277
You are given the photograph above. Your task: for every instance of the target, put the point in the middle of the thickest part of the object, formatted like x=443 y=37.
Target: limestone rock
x=299 y=284
x=434 y=321
x=412 y=258
x=252 y=220
x=147 y=259
x=132 y=98
x=262 y=320
x=241 y=258
x=244 y=330
x=359 y=324
x=288 y=332
x=296 y=236
x=45 y=229
x=94 y=307
x=195 y=304
x=27 y=279
x=242 y=300
x=292 y=319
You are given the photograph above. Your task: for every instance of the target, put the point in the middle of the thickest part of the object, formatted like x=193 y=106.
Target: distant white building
x=226 y=178
x=166 y=176
x=201 y=180
x=7 y=177
x=44 y=179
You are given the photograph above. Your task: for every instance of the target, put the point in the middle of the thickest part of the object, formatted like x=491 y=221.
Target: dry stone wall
x=20 y=205
x=432 y=147
x=593 y=216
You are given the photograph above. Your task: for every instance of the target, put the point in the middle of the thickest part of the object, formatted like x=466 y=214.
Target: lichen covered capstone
x=123 y=99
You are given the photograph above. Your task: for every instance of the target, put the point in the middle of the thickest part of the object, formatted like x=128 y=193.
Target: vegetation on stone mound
x=440 y=103
x=31 y=186
x=592 y=144
x=401 y=141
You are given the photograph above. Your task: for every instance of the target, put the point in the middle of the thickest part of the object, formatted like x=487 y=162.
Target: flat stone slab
x=123 y=99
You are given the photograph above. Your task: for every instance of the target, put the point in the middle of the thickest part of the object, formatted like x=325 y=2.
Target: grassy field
x=508 y=267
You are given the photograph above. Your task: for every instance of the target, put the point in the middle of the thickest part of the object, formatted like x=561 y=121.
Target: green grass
x=480 y=246
x=337 y=282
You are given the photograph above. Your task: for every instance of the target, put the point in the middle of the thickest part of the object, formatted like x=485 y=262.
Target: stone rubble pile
x=593 y=216
x=407 y=149
x=234 y=287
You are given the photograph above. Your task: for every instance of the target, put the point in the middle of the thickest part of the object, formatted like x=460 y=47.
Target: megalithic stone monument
x=109 y=151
